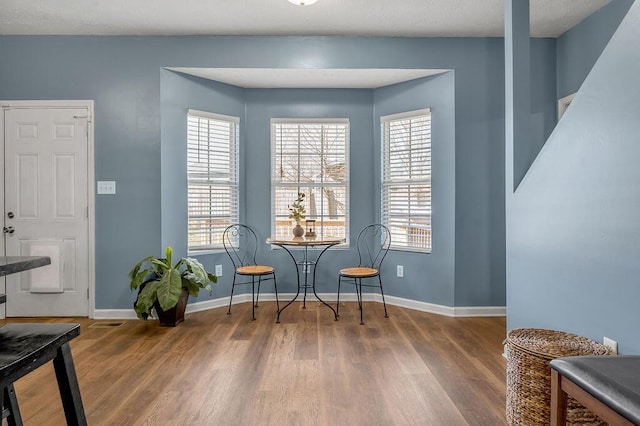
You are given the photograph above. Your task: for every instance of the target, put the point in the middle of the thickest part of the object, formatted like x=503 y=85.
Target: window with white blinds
x=312 y=157
x=212 y=170
x=406 y=179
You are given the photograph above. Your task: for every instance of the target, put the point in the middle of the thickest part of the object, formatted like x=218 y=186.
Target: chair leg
x=68 y=386
x=359 y=291
x=386 y=315
x=233 y=286
x=338 y=299
x=10 y=404
x=258 y=293
x=275 y=285
x=253 y=298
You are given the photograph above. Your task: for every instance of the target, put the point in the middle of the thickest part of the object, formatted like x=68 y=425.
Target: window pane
x=311 y=158
x=212 y=170
x=406 y=174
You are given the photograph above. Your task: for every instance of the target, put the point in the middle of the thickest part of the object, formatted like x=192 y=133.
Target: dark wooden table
x=13 y=264
x=25 y=347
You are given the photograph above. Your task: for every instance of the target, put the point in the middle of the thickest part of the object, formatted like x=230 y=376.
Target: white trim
x=71 y=104
x=480 y=311
x=213 y=116
x=454 y=312
x=402 y=115
x=564 y=103
x=309 y=120
x=3 y=280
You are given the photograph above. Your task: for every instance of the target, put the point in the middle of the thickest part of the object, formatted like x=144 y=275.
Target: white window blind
x=212 y=169
x=310 y=156
x=406 y=179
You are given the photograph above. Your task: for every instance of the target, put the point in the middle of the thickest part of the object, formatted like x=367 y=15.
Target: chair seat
x=254 y=270
x=359 y=272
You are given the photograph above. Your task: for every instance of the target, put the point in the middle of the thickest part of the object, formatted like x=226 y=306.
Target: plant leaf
x=191 y=286
x=195 y=267
x=136 y=268
x=140 y=277
x=146 y=297
x=169 y=253
x=169 y=289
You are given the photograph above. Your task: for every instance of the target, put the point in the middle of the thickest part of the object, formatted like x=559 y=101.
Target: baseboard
x=461 y=311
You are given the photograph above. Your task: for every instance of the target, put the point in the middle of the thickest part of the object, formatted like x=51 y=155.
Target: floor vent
x=105 y=324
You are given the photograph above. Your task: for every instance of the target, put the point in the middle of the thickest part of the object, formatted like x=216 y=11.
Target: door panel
x=46 y=189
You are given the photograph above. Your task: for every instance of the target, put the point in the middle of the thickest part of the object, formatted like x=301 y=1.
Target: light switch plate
x=106 y=187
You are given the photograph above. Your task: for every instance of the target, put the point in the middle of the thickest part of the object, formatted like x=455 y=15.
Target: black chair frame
x=241 y=244
x=373 y=245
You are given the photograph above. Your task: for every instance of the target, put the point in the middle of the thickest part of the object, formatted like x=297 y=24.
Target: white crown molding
x=456 y=312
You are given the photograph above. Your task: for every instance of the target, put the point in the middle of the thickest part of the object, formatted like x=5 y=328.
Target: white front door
x=46 y=208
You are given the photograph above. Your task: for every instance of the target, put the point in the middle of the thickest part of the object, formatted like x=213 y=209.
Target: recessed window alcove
x=360 y=95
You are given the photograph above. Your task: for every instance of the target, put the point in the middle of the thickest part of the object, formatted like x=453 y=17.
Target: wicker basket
x=529 y=351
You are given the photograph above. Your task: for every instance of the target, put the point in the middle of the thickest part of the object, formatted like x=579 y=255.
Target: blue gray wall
x=579 y=48
x=427 y=277
x=123 y=76
x=573 y=226
x=178 y=94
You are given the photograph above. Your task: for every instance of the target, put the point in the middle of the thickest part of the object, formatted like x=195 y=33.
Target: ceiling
x=406 y=18
x=291 y=78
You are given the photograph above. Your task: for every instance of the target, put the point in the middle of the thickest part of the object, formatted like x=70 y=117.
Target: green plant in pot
x=166 y=287
x=297 y=213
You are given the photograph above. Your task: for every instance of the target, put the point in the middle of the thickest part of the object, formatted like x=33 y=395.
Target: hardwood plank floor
x=412 y=368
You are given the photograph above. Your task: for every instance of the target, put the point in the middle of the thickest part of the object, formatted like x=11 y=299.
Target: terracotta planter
x=175 y=315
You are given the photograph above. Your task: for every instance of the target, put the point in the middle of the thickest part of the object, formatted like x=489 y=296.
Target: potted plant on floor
x=166 y=287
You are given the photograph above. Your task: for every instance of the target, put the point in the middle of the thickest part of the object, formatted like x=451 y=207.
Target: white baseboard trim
x=457 y=312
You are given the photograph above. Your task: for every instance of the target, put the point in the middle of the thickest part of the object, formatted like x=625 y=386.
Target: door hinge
x=87 y=294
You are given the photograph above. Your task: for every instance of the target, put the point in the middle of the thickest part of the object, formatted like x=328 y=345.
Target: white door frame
x=61 y=104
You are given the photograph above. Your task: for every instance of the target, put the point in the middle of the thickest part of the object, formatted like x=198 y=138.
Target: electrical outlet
x=612 y=344
x=219 y=270
x=400 y=271
x=106 y=187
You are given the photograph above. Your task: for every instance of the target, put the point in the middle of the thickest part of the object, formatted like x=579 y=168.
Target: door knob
x=10 y=215
x=8 y=230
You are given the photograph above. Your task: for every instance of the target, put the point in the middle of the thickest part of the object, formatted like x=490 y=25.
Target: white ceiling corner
x=308 y=78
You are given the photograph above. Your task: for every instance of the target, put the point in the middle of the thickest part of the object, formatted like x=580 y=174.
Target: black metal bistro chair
x=372 y=244
x=241 y=244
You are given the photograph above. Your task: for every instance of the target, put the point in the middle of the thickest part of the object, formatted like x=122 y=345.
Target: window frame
x=345 y=184
x=386 y=182
x=233 y=182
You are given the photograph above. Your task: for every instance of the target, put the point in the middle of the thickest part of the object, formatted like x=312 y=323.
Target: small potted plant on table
x=167 y=287
x=297 y=213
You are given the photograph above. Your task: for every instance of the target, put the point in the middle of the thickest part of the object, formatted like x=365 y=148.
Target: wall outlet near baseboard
x=400 y=271
x=218 y=270
x=612 y=344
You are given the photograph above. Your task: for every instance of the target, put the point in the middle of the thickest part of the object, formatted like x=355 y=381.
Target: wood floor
x=413 y=368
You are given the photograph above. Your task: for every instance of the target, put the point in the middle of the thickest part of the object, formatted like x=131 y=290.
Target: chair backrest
x=241 y=244
x=373 y=244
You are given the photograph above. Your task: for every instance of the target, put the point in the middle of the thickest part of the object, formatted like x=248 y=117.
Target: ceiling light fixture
x=303 y=2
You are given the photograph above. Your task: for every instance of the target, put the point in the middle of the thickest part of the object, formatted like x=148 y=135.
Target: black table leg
x=68 y=386
x=10 y=410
